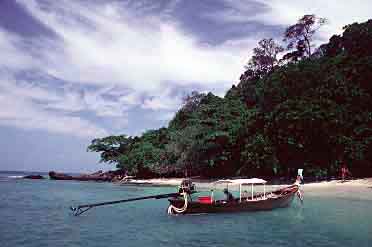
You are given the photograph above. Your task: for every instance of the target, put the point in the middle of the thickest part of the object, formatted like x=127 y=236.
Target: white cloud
x=11 y=58
x=116 y=56
x=110 y=61
x=287 y=12
x=38 y=103
x=25 y=89
x=104 y=107
x=165 y=116
x=163 y=101
x=103 y=43
x=68 y=101
x=236 y=11
x=18 y=109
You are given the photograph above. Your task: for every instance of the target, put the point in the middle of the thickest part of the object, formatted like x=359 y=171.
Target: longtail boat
x=181 y=202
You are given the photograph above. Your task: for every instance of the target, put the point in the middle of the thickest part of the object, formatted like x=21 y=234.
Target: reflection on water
x=35 y=213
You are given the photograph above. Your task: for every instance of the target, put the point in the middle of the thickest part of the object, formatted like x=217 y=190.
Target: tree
x=264 y=59
x=300 y=35
x=192 y=101
x=295 y=55
x=308 y=114
x=110 y=147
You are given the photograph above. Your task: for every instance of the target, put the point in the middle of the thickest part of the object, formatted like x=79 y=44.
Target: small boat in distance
x=183 y=204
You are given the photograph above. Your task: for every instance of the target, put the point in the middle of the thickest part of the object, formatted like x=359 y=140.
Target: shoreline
x=210 y=182
x=355 y=190
x=358 y=189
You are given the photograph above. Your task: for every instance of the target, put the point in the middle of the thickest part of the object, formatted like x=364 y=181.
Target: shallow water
x=35 y=213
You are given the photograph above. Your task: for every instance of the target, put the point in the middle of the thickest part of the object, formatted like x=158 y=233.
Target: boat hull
x=279 y=199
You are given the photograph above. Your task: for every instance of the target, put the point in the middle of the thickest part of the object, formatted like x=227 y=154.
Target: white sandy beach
x=366 y=182
x=355 y=189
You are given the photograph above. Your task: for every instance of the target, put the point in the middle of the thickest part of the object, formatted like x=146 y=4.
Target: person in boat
x=229 y=196
x=245 y=194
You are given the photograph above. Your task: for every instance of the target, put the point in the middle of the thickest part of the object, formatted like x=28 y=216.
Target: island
x=308 y=110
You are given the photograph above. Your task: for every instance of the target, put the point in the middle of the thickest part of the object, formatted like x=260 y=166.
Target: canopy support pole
x=240 y=192
x=252 y=192
x=264 y=191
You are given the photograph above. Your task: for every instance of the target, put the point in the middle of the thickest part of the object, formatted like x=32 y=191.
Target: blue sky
x=74 y=70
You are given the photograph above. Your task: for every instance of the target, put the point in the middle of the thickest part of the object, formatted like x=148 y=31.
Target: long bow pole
x=80 y=209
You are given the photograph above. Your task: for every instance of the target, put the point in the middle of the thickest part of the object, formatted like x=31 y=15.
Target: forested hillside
x=312 y=109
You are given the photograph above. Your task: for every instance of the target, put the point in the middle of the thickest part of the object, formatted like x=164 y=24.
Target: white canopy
x=243 y=181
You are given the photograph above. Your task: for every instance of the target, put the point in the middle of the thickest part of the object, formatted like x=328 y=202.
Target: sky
x=74 y=70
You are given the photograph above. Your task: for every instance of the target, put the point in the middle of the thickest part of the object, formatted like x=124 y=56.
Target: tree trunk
x=308 y=46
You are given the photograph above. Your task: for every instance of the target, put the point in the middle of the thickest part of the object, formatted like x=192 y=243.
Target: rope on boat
x=173 y=209
x=300 y=195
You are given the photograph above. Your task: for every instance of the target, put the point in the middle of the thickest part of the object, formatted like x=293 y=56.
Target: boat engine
x=186 y=186
x=185 y=189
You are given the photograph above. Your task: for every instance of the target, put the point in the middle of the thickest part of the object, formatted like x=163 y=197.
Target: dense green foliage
x=313 y=113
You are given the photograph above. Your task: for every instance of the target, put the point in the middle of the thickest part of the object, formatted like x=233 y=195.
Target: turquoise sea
x=36 y=213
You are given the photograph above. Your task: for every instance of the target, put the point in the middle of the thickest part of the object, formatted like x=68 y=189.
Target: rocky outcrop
x=33 y=177
x=99 y=176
